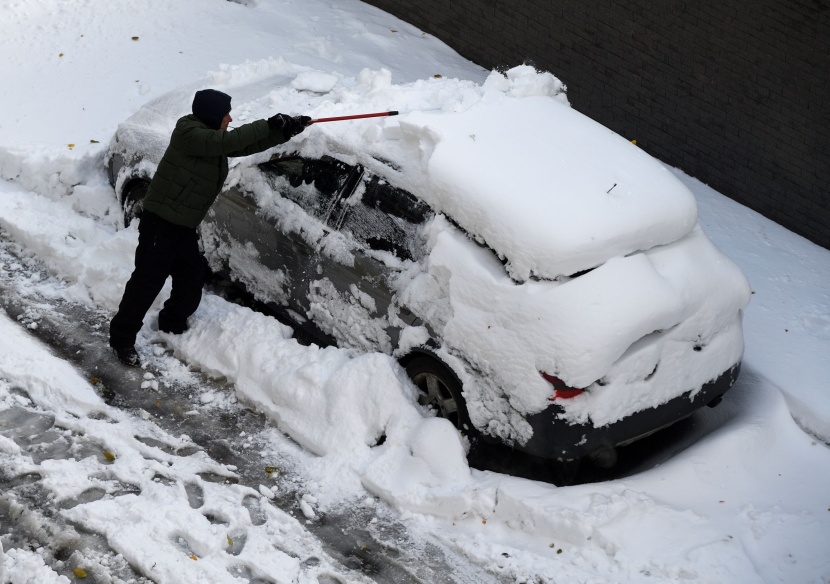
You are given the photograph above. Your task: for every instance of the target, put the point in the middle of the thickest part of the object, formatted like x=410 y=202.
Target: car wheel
x=133 y=200
x=440 y=390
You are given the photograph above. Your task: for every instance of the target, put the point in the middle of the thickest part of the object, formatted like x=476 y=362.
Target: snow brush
x=354 y=117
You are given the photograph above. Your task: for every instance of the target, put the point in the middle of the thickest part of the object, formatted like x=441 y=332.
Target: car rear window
x=385 y=218
x=312 y=184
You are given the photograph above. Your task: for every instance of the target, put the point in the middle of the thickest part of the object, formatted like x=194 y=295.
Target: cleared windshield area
x=312 y=184
x=384 y=217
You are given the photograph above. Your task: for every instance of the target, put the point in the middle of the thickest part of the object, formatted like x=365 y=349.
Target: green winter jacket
x=195 y=165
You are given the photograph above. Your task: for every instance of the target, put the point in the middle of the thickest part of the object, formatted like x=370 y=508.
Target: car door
x=273 y=231
x=382 y=223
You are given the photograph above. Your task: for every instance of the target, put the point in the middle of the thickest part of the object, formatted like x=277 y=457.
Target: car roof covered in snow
x=551 y=191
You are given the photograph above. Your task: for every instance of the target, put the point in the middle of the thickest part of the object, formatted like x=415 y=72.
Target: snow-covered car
x=543 y=281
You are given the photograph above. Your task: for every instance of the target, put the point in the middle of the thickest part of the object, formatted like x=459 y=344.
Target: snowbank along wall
x=734 y=93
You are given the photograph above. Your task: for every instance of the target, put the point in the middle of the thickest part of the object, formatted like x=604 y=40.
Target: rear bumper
x=555 y=438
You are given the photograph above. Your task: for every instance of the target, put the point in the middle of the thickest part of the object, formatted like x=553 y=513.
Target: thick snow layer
x=547 y=188
x=323 y=397
x=746 y=503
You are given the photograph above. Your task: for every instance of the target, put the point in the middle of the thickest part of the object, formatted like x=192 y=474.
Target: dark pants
x=164 y=249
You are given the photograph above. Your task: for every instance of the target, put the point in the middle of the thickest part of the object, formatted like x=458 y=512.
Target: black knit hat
x=211 y=106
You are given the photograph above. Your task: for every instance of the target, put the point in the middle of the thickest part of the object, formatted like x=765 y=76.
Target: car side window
x=312 y=184
x=386 y=218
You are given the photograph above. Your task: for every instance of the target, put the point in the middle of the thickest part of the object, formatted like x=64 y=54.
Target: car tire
x=133 y=200
x=439 y=388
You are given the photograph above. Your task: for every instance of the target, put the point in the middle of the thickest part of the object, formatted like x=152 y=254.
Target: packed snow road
x=224 y=469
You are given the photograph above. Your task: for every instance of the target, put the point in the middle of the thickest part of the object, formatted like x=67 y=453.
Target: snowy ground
x=747 y=502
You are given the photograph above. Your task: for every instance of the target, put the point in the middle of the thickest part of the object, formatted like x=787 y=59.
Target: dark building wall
x=734 y=92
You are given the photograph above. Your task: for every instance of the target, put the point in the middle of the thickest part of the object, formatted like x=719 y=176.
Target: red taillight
x=560 y=389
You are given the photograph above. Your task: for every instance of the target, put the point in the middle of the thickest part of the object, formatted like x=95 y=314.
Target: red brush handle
x=355 y=117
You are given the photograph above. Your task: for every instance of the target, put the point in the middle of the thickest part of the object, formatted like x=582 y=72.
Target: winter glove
x=279 y=122
x=290 y=126
x=298 y=124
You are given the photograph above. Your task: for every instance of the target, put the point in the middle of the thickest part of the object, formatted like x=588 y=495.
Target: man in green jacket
x=188 y=180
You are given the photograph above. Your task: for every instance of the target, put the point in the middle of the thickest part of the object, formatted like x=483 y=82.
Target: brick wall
x=734 y=92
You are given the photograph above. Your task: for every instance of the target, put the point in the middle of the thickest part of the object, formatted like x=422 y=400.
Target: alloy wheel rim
x=434 y=393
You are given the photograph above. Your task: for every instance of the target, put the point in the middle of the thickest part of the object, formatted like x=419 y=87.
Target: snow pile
x=358 y=412
x=547 y=188
x=321 y=397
